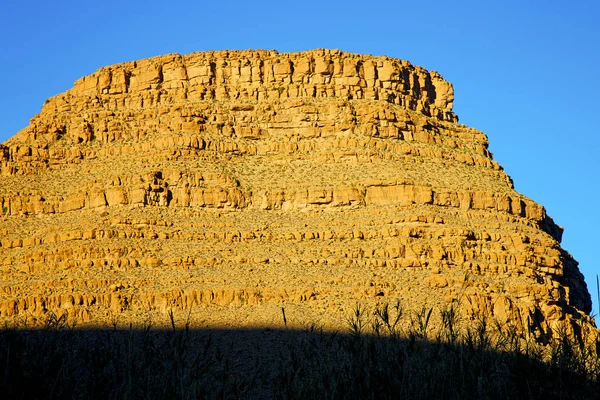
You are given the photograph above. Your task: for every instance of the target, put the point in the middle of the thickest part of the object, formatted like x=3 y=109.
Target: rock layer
x=235 y=183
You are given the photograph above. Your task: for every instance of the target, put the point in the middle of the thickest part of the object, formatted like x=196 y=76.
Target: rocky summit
x=263 y=189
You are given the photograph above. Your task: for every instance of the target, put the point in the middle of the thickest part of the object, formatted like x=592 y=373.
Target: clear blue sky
x=524 y=72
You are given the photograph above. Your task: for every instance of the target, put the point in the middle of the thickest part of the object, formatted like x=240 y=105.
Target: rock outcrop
x=235 y=183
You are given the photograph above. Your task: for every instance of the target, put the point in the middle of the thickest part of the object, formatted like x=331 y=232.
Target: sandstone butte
x=224 y=186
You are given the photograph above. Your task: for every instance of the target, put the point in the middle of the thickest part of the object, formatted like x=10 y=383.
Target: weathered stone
x=239 y=181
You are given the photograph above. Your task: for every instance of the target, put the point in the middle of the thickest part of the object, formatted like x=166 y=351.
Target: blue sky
x=524 y=72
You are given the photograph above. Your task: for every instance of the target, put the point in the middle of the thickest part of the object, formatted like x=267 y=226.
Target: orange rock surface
x=228 y=185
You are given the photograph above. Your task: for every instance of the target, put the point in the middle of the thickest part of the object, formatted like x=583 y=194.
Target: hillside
x=227 y=186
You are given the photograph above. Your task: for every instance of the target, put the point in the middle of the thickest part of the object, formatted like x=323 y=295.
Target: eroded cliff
x=235 y=183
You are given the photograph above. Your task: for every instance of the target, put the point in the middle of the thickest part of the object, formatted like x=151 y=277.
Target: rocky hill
x=227 y=186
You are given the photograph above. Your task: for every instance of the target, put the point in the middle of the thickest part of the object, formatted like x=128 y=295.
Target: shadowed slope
x=189 y=364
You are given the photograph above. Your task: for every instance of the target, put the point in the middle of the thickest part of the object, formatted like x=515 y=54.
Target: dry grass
x=386 y=352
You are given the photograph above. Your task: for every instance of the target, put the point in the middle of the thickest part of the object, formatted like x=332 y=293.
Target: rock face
x=235 y=183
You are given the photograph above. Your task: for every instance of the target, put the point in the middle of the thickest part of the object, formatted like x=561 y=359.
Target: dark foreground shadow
x=223 y=364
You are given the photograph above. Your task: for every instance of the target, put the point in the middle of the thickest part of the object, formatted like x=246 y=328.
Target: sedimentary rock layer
x=235 y=183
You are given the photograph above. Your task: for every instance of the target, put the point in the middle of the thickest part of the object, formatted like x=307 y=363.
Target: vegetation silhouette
x=386 y=353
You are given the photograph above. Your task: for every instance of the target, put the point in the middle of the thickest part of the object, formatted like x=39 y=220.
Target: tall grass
x=408 y=359
x=387 y=352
